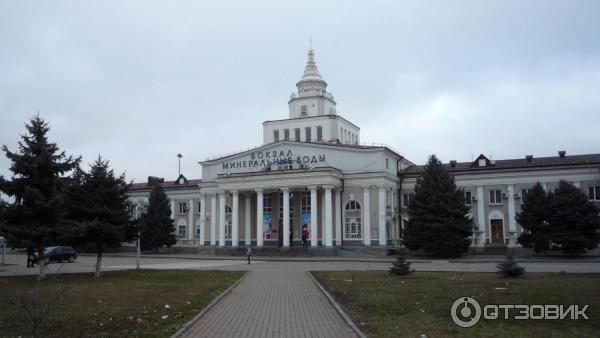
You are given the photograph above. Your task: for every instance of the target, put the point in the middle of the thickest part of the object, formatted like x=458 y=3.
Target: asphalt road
x=16 y=265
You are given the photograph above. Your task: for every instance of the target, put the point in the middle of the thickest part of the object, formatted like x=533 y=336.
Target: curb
x=210 y=305
x=337 y=307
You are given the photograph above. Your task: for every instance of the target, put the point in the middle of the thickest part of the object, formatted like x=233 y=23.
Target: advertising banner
x=267 y=225
x=305 y=224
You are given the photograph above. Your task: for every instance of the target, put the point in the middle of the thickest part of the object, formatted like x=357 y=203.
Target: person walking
x=30 y=256
x=249 y=253
x=304 y=236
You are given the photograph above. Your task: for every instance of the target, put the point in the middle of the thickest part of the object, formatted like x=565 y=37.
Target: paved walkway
x=272 y=304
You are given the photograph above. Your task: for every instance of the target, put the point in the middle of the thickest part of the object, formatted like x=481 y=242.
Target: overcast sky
x=140 y=81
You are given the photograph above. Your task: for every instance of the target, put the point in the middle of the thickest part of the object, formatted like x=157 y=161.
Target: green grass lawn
x=125 y=303
x=386 y=305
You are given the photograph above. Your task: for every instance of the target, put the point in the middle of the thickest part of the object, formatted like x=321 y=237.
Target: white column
x=366 y=216
x=512 y=222
x=338 y=217
x=381 y=205
x=213 y=219
x=313 y=217
x=202 y=218
x=481 y=215
x=222 y=218
x=247 y=233
x=172 y=209
x=190 y=233
x=235 y=219
x=328 y=217
x=322 y=224
x=259 y=217
x=285 y=192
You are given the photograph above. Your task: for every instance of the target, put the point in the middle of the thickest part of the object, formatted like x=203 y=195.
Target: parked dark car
x=57 y=254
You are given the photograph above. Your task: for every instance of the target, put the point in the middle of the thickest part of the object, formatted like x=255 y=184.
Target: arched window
x=352 y=220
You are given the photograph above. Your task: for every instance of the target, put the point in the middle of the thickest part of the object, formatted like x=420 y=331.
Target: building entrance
x=497 y=231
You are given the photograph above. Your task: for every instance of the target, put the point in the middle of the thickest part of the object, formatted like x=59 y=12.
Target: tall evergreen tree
x=533 y=218
x=97 y=205
x=37 y=186
x=574 y=220
x=563 y=219
x=157 y=227
x=438 y=217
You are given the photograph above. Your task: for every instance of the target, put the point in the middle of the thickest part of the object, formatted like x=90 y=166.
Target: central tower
x=313 y=116
x=312 y=98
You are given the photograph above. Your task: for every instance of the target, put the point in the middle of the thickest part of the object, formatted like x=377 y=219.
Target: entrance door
x=497 y=231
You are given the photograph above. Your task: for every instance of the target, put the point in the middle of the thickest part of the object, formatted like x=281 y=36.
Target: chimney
x=453 y=164
x=562 y=154
x=529 y=158
x=153 y=180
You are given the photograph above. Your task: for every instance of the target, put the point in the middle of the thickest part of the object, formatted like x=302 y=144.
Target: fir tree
x=438 y=217
x=510 y=268
x=401 y=267
x=98 y=208
x=533 y=218
x=157 y=227
x=573 y=219
x=564 y=219
x=37 y=187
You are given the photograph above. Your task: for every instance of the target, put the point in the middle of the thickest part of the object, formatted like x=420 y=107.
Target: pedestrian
x=249 y=253
x=30 y=256
x=304 y=236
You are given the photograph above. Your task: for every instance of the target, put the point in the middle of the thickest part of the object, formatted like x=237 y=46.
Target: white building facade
x=312 y=178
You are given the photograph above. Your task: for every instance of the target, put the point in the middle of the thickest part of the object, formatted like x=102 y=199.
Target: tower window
x=319 y=133
x=275 y=135
x=307 y=130
x=286 y=134
x=303 y=110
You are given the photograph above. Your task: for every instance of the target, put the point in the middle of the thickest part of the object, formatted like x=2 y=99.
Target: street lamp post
x=179 y=156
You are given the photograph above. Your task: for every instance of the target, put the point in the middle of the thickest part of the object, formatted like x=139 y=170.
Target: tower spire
x=311 y=72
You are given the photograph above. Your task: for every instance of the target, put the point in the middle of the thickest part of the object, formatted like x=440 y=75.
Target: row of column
x=328 y=217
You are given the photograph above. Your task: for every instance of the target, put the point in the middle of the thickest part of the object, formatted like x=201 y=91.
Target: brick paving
x=272 y=304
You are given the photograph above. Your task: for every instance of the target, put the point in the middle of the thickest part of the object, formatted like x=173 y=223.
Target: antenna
x=309 y=43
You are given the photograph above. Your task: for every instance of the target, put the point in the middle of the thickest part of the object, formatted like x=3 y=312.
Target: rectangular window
x=199 y=207
x=388 y=199
x=286 y=134
x=387 y=163
x=495 y=197
x=275 y=135
x=594 y=193
x=267 y=205
x=182 y=208
x=307 y=130
x=303 y=110
x=305 y=201
x=468 y=198
x=319 y=133
x=406 y=199
x=181 y=231
x=297 y=134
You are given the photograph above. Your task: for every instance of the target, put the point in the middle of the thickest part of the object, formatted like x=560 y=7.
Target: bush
x=401 y=267
x=510 y=268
